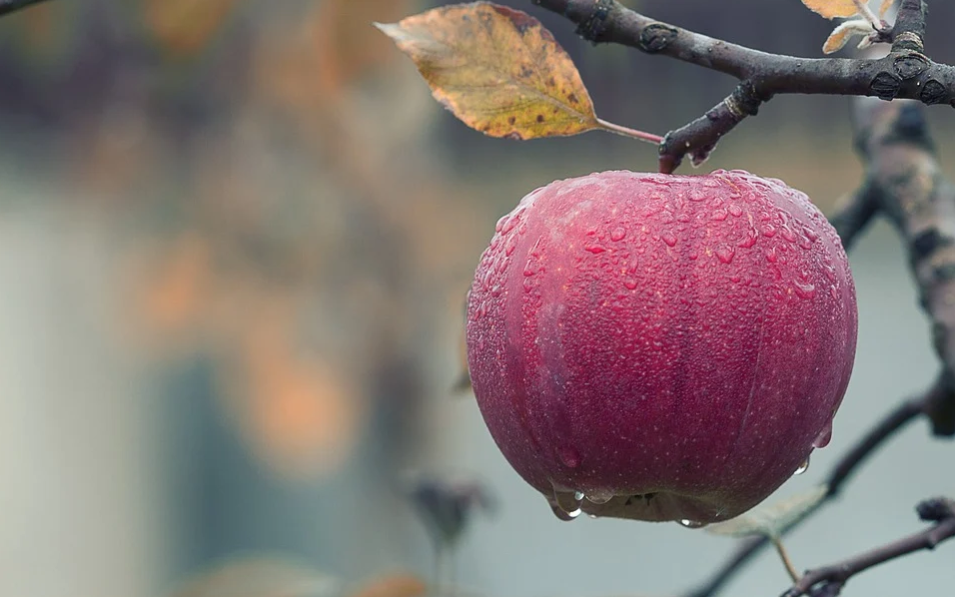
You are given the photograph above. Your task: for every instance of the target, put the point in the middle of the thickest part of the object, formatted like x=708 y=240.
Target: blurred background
x=235 y=240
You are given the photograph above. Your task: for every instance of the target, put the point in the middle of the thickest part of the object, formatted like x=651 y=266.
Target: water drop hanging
x=802 y=467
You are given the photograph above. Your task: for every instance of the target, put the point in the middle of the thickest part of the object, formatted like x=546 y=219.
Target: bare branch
x=939 y=510
x=8 y=6
x=904 y=73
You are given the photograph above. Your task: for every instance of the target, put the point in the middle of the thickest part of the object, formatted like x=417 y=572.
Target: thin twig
x=943 y=510
x=9 y=6
x=903 y=73
x=784 y=556
x=628 y=132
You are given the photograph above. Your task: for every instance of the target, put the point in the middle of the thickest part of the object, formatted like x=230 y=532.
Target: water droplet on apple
x=618 y=233
x=569 y=456
x=719 y=215
x=630 y=284
x=802 y=467
x=510 y=245
x=566 y=504
x=804 y=289
x=769 y=231
x=669 y=239
x=788 y=234
x=692 y=524
x=725 y=254
x=771 y=255
x=559 y=512
x=735 y=210
x=750 y=239
x=599 y=496
x=595 y=249
x=823 y=439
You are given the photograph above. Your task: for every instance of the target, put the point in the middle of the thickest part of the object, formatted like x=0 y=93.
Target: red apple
x=670 y=347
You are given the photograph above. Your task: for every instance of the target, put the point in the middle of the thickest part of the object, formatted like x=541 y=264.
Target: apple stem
x=784 y=556
x=628 y=132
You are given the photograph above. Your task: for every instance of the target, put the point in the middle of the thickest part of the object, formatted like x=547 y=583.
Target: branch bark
x=9 y=6
x=829 y=580
x=904 y=73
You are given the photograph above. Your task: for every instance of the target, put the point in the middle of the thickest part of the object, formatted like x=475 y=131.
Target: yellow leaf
x=498 y=70
x=832 y=9
x=886 y=5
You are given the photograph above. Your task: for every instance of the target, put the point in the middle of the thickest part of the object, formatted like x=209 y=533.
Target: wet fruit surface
x=661 y=347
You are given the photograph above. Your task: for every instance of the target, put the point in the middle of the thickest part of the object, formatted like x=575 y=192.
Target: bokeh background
x=235 y=238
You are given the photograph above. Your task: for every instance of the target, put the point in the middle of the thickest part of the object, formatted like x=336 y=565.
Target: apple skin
x=672 y=347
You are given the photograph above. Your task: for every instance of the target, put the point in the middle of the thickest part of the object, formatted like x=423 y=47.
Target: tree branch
x=903 y=73
x=829 y=580
x=8 y=6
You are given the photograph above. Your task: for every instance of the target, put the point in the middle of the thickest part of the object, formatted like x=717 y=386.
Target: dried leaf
x=840 y=35
x=832 y=9
x=497 y=69
x=773 y=520
x=886 y=5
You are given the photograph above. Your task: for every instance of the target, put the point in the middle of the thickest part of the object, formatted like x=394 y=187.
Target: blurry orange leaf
x=178 y=291
x=184 y=27
x=347 y=46
x=497 y=69
x=260 y=576
x=886 y=5
x=299 y=412
x=398 y=585
x=832 y=9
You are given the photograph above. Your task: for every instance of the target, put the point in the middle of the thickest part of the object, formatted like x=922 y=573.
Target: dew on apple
x=802 y=467
x=569 y=456
x=823 y=439
x=566 y=504
x=804 y=290
x=609 y=352
x=692 y=524
x=599 y=496
x=725 y=254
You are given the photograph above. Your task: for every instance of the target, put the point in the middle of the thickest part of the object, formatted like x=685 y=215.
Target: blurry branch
x=829 y=580
x=904 y=73
x=8 y=6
